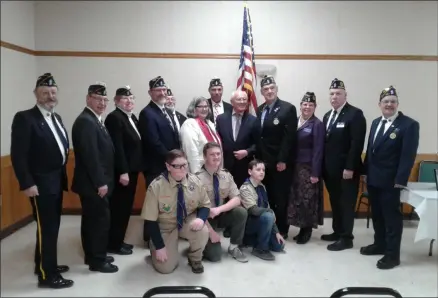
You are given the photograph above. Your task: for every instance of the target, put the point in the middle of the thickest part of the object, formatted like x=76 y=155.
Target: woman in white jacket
x=196 y=131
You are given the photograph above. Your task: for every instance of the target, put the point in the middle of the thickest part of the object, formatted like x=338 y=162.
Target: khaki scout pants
x=197 y=241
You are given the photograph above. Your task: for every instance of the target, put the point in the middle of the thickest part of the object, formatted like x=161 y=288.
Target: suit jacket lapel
x=308 y=123
x=388 y=132
x=338 y=119
x=373 y=132
x=128 y=123
x=43 y=124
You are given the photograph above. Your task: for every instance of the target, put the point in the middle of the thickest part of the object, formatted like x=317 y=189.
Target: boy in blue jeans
x=261 y=232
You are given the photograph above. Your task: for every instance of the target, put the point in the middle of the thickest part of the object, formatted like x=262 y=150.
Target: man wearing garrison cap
x=390 y=155
x=122 y=125
x=277 y=148
x=171 y=105
x=159 y=134
x=93 y=178
x=342 y=166
x=39 y=154
x=217 y=105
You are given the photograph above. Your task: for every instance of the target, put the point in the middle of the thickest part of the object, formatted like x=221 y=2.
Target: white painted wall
x=290 y=27
x=18 y=70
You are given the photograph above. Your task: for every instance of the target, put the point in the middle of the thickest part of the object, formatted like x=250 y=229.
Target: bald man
x=239 y=132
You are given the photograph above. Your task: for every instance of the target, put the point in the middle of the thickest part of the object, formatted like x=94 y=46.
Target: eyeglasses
x=104 y=100
x=202 y=107
x=387 y=101
x=178 y=167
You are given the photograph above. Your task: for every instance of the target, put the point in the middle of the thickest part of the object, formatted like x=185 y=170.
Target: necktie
x=216 y=111
x=381 y=131
x=238 y=123
x=332 y=120
x=266 y=114
x=59 y=132
x=181 y=211
x=168 y=118
x=262 y=197
x=216 y=190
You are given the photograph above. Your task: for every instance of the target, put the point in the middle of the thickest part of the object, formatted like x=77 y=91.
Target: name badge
x=307 y=129
x=340 y=125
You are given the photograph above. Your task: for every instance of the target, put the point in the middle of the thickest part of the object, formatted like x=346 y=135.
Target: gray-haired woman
x=196 y=132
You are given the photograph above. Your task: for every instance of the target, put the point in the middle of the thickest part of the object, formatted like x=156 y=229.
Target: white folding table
x=424 y=198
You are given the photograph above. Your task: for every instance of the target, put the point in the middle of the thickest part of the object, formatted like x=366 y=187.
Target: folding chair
x=366 y=291
x=179 y=290
x=363 y=200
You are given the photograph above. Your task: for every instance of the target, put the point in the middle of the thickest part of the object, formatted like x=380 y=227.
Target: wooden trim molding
x=16 y=210
x=97 y=54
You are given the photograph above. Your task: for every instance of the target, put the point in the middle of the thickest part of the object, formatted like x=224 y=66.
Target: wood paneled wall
x=16 y=207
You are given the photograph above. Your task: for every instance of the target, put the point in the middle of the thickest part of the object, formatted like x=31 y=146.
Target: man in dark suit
x=391 y=152
x=177 y=116
x=93 y=178
x=239 y=132
x=342 y=167
x=158 y=132
x=277 y=148
x=217 y=105
x=122 y=127
x=39 y=154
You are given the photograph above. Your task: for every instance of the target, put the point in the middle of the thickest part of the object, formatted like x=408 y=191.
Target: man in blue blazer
x=392 y=148
x=159 y=133
x=239 y=132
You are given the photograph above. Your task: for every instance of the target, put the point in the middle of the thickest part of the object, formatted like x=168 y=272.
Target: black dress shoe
x=122 y=251
x=387 y=263
x=108 y=259
x=305 y=237
x=372 y=250
x=104 y=268
x=340 y=245
x=296 y=237
x=128 y=246
x=330 y=237
x=57 y=282
x=59 y=269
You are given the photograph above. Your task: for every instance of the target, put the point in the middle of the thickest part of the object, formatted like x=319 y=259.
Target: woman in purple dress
x=305 y=209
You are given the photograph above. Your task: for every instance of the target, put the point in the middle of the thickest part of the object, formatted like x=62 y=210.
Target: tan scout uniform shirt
x=161 y=200
x=249 y=199
x=248 y=194
x=227 y=188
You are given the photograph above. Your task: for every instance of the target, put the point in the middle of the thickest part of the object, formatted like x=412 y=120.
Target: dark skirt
x=306 y=205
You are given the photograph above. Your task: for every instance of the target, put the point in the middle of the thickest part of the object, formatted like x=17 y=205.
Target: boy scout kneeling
x=226 y=210
x=261 y=231
x=176 y=205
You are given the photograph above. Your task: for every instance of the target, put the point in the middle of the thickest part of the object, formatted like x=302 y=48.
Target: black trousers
x=278 y=187
x=95 y=224
x=120 y=204
x=47 y=214
x=148 y=180
x=343 y=197
x=387 y=219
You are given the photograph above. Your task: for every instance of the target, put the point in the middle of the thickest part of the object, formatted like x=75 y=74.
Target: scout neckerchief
x=181 y=211
x=215 y=187
x=262 y=196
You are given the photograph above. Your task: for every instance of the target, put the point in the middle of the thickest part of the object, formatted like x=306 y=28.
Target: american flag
x=247 y=69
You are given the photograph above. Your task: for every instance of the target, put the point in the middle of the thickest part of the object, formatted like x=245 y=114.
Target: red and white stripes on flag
x=247 y=80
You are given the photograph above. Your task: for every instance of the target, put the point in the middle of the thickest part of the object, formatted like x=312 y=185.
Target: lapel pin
x=392 y=136
x=276 y=121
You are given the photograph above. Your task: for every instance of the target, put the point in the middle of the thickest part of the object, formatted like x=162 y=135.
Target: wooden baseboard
x=15 y=227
